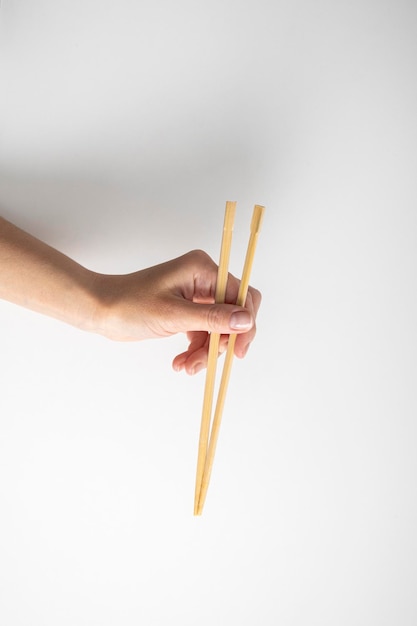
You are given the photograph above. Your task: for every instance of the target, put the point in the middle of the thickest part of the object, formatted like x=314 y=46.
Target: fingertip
x=243 y=351
x=179 y=362
x=194 y=369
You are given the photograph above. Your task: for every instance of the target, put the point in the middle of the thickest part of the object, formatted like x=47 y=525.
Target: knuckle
x=215 y=318
x=256 y=293
x=256 y=296
x=201 y=260
x=199 y=256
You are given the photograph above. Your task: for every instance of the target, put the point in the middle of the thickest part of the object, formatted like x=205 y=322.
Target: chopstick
x=256 y=223
x=222 y=274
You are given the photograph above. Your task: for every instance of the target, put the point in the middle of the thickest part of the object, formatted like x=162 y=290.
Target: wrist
x=99 y=290
x=110 y=313
x=78 y=300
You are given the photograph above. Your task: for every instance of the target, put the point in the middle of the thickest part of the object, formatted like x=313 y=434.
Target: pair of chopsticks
x=208 y=440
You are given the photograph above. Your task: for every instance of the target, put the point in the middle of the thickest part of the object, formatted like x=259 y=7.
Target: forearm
x=38 y=277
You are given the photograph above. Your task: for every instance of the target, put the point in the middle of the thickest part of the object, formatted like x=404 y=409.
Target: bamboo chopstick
x=221 y=284
x=256 y=223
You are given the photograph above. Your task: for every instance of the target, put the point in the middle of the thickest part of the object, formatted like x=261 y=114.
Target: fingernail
x=240 y=320
x=197 y=368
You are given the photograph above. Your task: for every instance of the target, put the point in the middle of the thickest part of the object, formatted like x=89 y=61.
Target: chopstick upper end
x=229 y=216
x=258 y=214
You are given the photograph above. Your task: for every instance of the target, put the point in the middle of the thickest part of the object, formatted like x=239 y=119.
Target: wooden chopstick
x=256 y=223
x=229 y=217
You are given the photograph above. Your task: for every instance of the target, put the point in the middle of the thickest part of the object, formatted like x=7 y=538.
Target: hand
x=177 y=296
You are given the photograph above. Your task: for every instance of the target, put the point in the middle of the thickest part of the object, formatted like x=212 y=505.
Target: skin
x=160 y=301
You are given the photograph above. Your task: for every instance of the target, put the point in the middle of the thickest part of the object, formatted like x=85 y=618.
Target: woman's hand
x=176 y=296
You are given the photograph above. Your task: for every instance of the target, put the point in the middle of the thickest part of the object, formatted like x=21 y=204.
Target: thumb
x=216 y=318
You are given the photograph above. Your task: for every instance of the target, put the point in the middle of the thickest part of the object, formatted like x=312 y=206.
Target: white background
x=124 y=128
